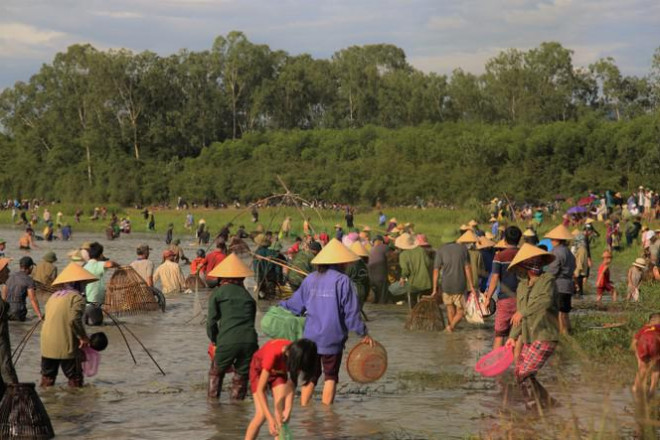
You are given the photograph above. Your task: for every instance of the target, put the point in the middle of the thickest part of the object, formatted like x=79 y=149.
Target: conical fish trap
x=22 y=415
x=128 y=294
x=426 y=316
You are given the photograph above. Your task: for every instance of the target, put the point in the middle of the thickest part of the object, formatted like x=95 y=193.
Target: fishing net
x=128 y=294
x=22 y=415
x=43 y=290
x=426 y=316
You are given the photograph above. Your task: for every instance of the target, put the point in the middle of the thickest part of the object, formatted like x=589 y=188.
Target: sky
x=436 y=35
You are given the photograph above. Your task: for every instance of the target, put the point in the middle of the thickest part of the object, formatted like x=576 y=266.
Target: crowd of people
x=327 y=278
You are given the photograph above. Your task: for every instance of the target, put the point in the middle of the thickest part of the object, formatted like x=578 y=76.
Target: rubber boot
x=239 y=387
x=215 y=382
x=76 y=382
x=47 y=381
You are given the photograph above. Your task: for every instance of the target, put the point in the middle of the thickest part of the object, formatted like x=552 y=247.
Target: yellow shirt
x=62 y=325
x=171 y=277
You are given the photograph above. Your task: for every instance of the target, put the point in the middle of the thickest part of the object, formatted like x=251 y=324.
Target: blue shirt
x=332 y=308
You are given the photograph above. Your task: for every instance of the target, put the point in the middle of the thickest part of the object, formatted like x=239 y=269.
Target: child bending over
x=276 y=366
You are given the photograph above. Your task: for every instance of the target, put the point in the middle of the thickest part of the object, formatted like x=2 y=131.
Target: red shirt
x=198 y=263
x=648 y=342
x=213 y=258
x=270 y=357
x=603 y=279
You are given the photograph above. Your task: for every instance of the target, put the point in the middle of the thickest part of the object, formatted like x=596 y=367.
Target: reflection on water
x=126 y=401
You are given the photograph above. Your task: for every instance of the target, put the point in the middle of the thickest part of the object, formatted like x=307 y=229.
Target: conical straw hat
x=500 y=244
x=483 y=243
x=472 y=223
x=231 y=267
x=335 y=253
x=575 y=232
x=359 y=250
x=467 y=237
x=406 y=241
x=529 y=233
x=72 y=273
x=561 y=232
x=528 y=251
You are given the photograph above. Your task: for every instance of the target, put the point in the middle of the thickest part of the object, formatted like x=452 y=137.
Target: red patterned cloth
x=532 y=357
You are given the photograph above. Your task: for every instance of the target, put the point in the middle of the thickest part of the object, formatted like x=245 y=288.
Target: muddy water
x=126 y=401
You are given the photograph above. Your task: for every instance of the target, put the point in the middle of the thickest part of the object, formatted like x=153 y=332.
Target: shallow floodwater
x=127 y=401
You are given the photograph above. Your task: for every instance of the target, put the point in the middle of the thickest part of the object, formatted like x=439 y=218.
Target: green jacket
x=416 y=267
x=539 y=306
x=232 y=311
x=359 y=275
x=302 y=261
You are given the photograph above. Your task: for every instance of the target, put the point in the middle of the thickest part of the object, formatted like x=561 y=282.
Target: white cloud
x=22 y=40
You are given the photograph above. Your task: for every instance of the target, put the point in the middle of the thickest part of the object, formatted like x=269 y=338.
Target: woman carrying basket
x=329 y=299
x=536 y=320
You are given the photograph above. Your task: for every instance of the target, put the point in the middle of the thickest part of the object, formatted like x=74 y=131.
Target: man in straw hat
x=230 y=327
x=7 y=371
x=18 y=288
x=508 y=284
x=634 y=278
x=63 y=333
x=415 y=268
x=454 y=261
x=535 y=321
x=330 y=301
x=562 y=268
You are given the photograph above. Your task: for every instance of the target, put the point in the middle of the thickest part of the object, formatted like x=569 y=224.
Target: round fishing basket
x=426 y=316
x=23 y=415
x=128 y=294
x=367 y=364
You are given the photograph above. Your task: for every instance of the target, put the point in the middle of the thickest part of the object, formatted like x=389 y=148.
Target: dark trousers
x=72 y=369
x=381 y=294
x=237 y=355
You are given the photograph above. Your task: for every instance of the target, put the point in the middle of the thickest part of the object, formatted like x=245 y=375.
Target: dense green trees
x=219 y=124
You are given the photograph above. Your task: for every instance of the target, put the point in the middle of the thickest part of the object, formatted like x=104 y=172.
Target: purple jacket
x=332 y=310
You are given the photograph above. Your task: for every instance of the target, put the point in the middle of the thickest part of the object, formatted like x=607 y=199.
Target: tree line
x=127 y=127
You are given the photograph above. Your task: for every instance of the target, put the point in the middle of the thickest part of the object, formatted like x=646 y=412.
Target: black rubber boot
x=239 y=387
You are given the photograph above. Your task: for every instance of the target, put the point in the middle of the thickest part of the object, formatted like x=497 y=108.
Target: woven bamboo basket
x=23 y=415
x=128 y=294
x=426 y=316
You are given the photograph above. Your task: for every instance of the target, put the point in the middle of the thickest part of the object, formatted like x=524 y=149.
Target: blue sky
x=437 y=35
